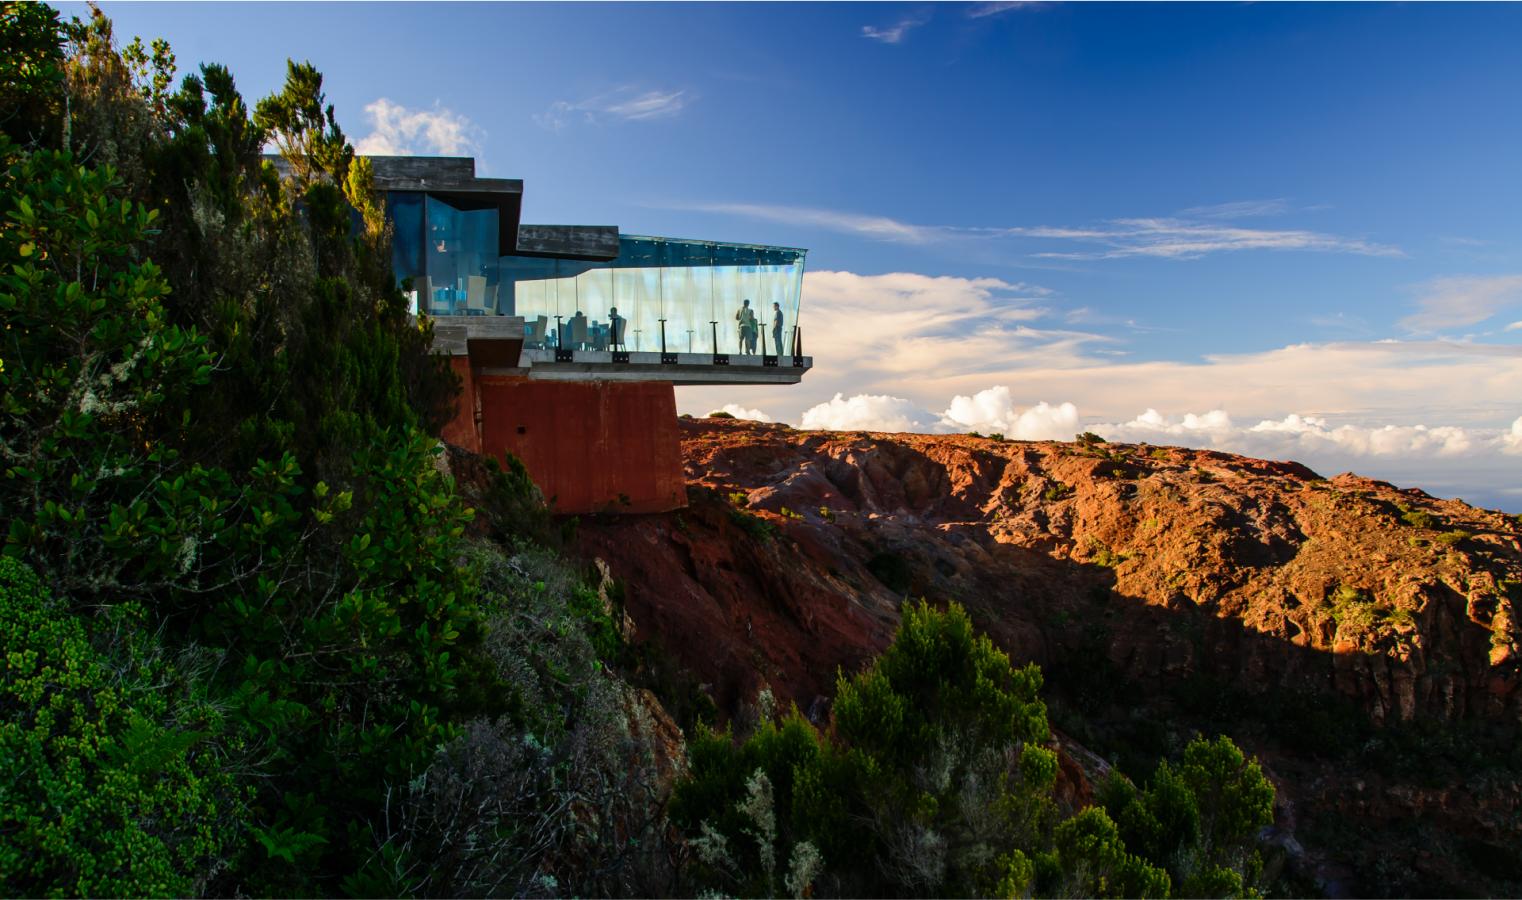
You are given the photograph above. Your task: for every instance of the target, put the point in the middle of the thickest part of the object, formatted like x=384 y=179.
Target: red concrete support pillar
x=463 y=430
x=590 y=446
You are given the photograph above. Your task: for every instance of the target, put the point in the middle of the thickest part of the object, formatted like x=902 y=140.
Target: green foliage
x=752 y=806
x=1453 y=538
x=753 y=525
x=933 y=781
x=1417 y=518
x=113 y=781
x=1058 y=491
x=1092 y=858
x=228 y=449
x=1089 y=439
x=1199 y=818
x=1102 y=555
x=720 y=414
x=31 y=72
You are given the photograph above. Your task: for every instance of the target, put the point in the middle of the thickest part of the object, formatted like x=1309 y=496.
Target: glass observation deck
x=655 y=295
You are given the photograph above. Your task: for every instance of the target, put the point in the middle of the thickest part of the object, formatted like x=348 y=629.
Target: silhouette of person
x=777 y=327
x=615 y=327
x=748 y=327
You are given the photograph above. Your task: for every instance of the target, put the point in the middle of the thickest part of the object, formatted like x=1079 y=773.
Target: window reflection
x=462 y=260
x=405 y=213
x=707 y=297
x=658 y=294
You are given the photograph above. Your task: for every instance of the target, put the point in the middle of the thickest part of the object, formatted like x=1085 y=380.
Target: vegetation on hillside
x=935 y=780
x=256 y=642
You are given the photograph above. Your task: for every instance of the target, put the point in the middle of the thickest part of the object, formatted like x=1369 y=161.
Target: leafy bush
x=114 y=783
x=558 y=793
x=1200 y=818
x=1418 y=518
x=720 y=414
x=933 y=781
x=233 y=445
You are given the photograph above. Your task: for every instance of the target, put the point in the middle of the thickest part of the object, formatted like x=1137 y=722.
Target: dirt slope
x=1133 y=574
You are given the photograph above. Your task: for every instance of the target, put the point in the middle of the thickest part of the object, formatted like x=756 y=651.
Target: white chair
x=475 y=296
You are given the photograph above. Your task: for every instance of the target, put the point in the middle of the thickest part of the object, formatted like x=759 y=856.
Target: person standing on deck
x=748 y=327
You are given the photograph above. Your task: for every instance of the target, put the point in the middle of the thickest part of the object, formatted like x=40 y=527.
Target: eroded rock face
x=1128 y=572
x=1168 y=561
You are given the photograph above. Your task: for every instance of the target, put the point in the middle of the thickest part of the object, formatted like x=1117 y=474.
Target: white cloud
x=893 y=35
x=740 y=412
x=1458 y=301
x=1169 y=238
x=1513 y=437
x=865 y=412
x=983 y=10
x=1515 y=326
x=397 y=130
x=1172 y=238
x=1300 y=436
x=876 y=227
x=1476 y=463
x=624 y=104
x=926 y=340
x=994 y=411
x=1240 y=209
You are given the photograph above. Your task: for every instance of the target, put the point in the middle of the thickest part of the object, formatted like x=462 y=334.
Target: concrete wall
x=462 y=430
x=590 y=446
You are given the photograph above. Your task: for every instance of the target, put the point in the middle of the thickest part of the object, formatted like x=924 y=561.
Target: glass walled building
x=569 y=341
x=589 y=288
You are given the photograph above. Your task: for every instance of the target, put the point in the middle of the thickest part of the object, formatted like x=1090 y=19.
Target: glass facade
x=658 y=294
x=703 y=297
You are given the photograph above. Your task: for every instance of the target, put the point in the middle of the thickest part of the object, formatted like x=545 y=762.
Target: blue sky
x=1293 y=230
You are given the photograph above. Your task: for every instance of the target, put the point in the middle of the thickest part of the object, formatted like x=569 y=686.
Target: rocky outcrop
x=1167 y=561
x=1139 y=577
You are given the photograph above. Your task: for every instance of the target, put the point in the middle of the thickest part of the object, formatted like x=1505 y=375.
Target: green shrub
x=758 y=528
x=113 y=785
x=1453 y=538
x=1199 y=818
x=933 y=780
x=720 y=414
x=1418 y=518
x=1089 y=439
x=1102 y=555
x=1058 y=491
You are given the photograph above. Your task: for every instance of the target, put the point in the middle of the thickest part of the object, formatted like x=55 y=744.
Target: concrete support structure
x=595 y=436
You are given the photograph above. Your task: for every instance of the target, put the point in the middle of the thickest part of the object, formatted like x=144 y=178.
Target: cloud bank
x=1480 y=464
x=906 y=351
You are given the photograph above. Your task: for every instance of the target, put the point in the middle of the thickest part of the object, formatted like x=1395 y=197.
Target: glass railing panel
x=710 y=298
